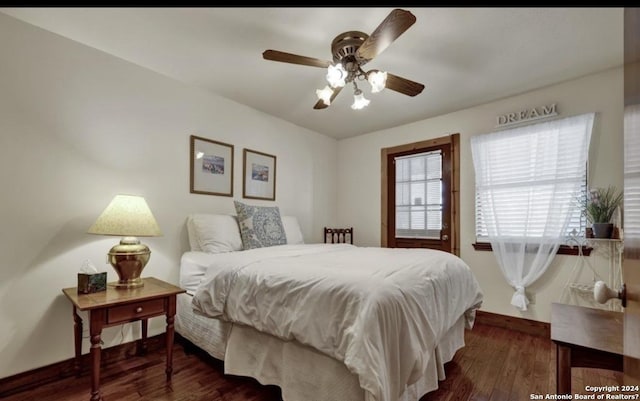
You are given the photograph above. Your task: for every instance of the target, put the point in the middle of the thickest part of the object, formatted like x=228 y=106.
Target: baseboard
x=60 y=370
x=533 y=327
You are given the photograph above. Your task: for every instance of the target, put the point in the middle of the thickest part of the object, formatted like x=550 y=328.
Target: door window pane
x=419 y=195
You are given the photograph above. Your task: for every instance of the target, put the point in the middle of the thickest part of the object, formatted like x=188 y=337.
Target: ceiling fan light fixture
x=359 y=101
x=325 y=94
x=351 y=50
x=377 y=80
x=336 y=75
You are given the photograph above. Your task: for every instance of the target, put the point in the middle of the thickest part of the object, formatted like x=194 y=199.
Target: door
x=419 y=195
x=631 y=263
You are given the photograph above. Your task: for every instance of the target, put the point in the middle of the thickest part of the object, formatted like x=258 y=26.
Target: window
x=529 y=179
x=419 y=195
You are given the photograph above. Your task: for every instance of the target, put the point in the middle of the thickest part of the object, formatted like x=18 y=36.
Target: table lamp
x=128 y=216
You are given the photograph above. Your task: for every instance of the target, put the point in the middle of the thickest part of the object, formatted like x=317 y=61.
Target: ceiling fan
x=351 y=50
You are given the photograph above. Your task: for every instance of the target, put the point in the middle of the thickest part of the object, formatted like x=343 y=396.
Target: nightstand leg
x=142 y=344
x=171 y=311
x=95 y=330
x=77 y=337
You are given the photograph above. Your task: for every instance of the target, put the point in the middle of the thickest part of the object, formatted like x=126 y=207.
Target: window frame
x=452 y=218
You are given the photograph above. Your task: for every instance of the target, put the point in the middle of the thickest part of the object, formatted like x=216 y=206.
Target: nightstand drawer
x=135 y=310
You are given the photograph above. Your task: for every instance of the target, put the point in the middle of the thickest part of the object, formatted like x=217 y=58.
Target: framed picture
x=259 y=175
x=211 y=167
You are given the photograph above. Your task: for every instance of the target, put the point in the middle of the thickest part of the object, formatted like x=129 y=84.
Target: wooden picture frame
x=259 y=175
x=211 y=168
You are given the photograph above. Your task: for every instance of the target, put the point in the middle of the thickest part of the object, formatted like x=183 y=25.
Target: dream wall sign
x=522 y=116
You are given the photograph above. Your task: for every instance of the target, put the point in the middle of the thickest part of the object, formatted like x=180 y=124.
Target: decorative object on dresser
x=259 y=175
x=128 y=216
x=113 y=307
x=90 y=283
x=338 y=235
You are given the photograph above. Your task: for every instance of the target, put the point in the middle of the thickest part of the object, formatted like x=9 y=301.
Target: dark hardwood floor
x=496 y=364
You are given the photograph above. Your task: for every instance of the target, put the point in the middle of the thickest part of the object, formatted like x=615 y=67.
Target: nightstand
x=118 y=306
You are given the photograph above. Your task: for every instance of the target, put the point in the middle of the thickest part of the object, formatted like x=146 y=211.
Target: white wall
x=77 y=127
x=359 y=178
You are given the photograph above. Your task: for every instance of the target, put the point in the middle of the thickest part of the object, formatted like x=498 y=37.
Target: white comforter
x=381 y=311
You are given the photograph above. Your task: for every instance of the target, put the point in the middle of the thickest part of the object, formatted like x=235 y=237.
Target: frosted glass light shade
x=378 y=80
x=359 y=101
x=336 y=75
x=325 y=94
x=126 y=215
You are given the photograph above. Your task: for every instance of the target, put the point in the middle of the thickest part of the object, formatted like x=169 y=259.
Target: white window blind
x=632 y=172
x=529 y=178
x=419 y=195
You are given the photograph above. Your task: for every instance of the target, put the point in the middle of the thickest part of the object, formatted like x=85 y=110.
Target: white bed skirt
x=209 y=334
x=301 y=372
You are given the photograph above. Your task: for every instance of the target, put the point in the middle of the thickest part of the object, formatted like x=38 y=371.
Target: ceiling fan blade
x=321 y=105
x=389 y=30
x=403 y=85
x=275 y=55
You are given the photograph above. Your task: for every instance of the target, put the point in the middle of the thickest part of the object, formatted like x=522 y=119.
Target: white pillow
x=214 y=233
x=292 y=230
x=193 y=236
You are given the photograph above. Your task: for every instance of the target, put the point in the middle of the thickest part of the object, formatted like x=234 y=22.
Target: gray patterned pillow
x=260 y=226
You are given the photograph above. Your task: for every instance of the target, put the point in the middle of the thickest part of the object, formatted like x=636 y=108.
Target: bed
x=325 y=322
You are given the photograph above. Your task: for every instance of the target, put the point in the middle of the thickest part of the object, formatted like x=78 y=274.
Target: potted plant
x=600 y=205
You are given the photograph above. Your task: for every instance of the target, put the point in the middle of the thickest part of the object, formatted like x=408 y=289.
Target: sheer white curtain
x=527 y=182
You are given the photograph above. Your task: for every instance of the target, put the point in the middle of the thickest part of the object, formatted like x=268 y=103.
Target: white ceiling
x=463 y=56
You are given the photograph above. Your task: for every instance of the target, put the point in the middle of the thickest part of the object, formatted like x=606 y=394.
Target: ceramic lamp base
x=135 y=283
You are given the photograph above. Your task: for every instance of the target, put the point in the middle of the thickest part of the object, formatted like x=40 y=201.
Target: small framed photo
x=211 y=167
x=259 y=173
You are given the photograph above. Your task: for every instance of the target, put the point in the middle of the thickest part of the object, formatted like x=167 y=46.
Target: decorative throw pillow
x=260 y=226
